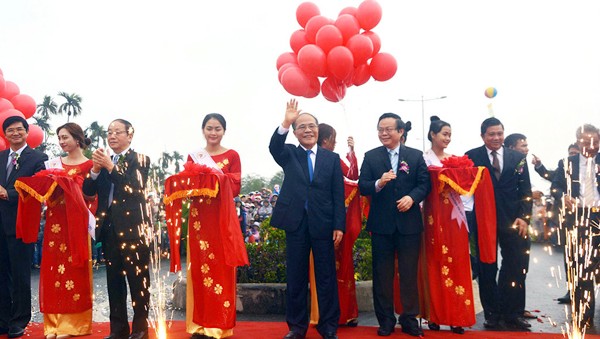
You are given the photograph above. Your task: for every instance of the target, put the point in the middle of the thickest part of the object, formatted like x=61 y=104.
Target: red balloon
x=328 y=37
x=349 y=10
x=3 y=144
x=305 y=11
x=8 y=113
x=314 y=88
x=348 y=25
x=35 y=136
x=284 y=68
x=10 y=90
x=383 y=66
x=368 y=14
x=361 y=75
x=312 y=60
x=375 y=39
x=313 y=26
x=340 y=62
x=333 y=90
x=5 y=104
x=295 y=81
x=298 y=40
x=25 y=104
x=285 y=58
x=361 y=48
x=2 y=84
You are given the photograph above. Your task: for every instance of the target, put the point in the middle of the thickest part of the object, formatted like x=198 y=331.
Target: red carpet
x=276 y=330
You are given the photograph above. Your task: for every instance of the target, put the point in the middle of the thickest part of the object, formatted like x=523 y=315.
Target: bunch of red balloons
x=342 y=52
x=13 y=103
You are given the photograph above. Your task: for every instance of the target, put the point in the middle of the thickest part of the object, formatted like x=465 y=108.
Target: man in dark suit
x=397 y=180
x=122 y=224
x=15 y=256
x=512 y=190
x=576 y=185
x=311 y=210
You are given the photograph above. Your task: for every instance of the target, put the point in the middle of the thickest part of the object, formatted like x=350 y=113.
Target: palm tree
x=96 y=132
x=72 y=105
x=165 y=160
x=47 y=107
x=176 y=157
x=44 y=110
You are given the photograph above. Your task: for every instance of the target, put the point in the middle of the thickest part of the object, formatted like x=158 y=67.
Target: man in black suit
x=576 y=185
x=311 y=210
x=15 y=256
x=122 y=224
x=512 y=190
x=397 y=180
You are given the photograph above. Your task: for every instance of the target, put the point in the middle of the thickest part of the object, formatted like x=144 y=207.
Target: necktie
x=115 y=160
x=394 y=160
x=310 y=165
x=496 y=165
x=11 y=166
x=588 y=177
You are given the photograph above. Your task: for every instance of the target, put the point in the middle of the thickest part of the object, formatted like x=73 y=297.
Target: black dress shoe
x=518 y=323
x=352 y=323
x=329 y=336
x=491 y=323
x=433 y=326
x=15 y=332
x=457 y=329
x=117 y=336
x=3 y=330
x=199 y=336
x=139 y=335
x=384 y=332
x=415 y=331
x=294 y=335
x=565 y=299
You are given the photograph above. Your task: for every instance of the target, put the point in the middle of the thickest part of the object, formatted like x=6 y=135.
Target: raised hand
x=351 y=143
x=291 y=113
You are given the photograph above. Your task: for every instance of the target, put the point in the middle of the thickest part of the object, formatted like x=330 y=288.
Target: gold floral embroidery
x=430 y=219
x=63 y=248
x=76 y=297
x=205 y=268
x=444 y=249
x=55 y=228
x=70 y=259
x=61 y=269
x=218 y=289
x=72 y=171
x=449 y=282
x=51 y=244
x=446 y=201
x=211 y=256
x=208 y=281
x=449 y=259
x=197 y=225
x=194 y=212
x=468 y=302
x=226 y=304
x=445 y=270
x=204 y=245
x=459 y=290
x=226 y=162
x=69 y=285
x=57 y=284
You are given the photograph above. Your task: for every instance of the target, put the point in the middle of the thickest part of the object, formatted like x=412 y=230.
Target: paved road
x=543 y=286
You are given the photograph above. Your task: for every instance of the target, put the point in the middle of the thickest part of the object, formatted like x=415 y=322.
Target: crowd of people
x=436 y=222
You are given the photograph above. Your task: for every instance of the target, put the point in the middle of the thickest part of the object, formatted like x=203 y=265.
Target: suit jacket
x=127 y=214
x=559 y=183
x=513 y=190
x=384 y=217
x=323 y=197
x=30 y=162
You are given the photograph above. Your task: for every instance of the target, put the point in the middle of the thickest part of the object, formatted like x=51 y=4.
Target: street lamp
x=422 y=100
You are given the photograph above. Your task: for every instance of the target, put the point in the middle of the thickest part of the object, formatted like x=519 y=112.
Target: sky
x=163 y=65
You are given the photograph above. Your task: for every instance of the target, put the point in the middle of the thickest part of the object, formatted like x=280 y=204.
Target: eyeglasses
x=15 y=130
x=109 y=133
x=388 y=130
x=309 y=126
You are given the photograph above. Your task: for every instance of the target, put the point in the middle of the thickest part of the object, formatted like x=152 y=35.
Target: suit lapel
x=301 y=155
x=22 y=158
x=3 y=164
x=385 y=158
